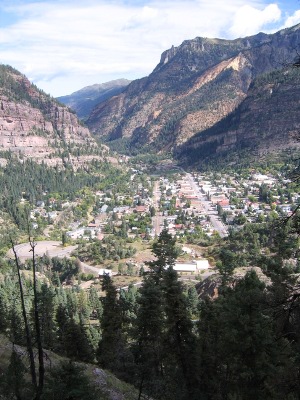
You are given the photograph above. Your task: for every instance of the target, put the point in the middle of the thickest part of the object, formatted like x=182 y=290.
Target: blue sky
x=64 y=45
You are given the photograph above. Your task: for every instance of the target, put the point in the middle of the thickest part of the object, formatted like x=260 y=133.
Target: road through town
x=207 y=207
x=157 y=219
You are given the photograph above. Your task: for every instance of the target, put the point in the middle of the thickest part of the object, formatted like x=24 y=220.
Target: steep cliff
x=192 y=90
x=33 y=124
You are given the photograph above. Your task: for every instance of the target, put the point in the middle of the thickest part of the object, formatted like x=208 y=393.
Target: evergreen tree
x=112 y=350
x=165 y=251
x=148 y=333
x=180 y=356
x=75 y=342
x=4 y=304
x=13 y=384
x=16 y=325
x=227 y=264
x=61 y=319
x=68 y=381
x=95 y=303
x=241 y=355
x=165 y=343
x=192 y=301
x=46 y=314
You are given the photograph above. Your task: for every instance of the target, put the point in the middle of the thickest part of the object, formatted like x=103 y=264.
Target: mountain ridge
x=194 y=87
x=84 y=100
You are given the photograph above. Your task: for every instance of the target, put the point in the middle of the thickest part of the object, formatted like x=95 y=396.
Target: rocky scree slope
x=192 y=89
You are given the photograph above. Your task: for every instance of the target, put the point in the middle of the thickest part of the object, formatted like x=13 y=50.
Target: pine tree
x=192 y=301
x=68 y=381
x=112 y=350
x=4 y=302
x=95 y=303
x=165 y=348
x=75 y=342
x=240 y=353
x=46 y=314
x=165 y=251
x=180 y=356
x=148 y=333
x=12 y=382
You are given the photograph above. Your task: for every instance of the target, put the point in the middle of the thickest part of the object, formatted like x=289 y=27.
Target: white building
x=194 y=266
x=76 y=234
x=83 y=232
x=103 y=272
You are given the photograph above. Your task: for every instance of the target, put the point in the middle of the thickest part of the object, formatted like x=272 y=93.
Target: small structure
x=185 y=267
x=202 y=264
x=76 y=234
x=285 y=208
x=194 y=266
x=104 y=271
x=103 y=209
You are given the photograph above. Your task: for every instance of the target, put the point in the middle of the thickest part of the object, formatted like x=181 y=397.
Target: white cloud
x=65 y=45
x=249 y=20
x=293 y=19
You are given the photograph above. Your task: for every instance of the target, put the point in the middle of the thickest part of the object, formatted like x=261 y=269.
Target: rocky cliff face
x=31 y=123
x=192 y=90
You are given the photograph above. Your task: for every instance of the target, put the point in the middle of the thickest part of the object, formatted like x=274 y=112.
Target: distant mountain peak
x=84 y=100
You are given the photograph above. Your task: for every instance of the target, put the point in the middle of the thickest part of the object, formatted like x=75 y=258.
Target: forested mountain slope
x=193 y=88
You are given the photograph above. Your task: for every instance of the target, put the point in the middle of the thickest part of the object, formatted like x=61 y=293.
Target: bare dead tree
x=40 y=385
x=27 y=329
x=37 y=380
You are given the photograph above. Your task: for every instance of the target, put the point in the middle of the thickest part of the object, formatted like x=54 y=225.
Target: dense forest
x=162 y=338
x=30 y=182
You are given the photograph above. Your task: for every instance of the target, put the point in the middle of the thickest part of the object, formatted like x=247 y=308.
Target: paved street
x=207 y=207
x=158 y=219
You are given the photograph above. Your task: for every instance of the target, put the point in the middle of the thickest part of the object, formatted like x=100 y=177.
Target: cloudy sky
x=64 y=45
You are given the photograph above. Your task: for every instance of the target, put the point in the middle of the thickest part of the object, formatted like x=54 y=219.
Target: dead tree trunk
x=27 y=330
x=37 y=326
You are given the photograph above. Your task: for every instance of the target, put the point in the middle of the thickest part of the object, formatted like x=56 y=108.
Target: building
x=193 y=266
x=104 y=271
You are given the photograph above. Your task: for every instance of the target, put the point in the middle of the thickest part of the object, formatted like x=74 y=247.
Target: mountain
x=267 y=120
x=199 y=85
x=32 y=124
x=84 y=100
